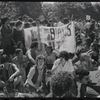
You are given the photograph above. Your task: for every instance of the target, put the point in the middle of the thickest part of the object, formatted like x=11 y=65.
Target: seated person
x=85 y=62
x=9 y=71
x=83 y=81
x=60 y=85
x=36 y=77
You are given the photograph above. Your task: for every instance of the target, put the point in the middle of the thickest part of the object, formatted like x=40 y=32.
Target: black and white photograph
x=49 y=49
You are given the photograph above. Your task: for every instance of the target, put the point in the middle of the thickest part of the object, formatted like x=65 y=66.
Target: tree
x=79 y=10
x=16 y=9
x=32 y=9
x=8 y=9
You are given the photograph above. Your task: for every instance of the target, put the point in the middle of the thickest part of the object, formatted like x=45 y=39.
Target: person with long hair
x=36 y=76
x=62 y=63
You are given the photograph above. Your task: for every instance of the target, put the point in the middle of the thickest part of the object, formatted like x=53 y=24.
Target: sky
x=49 y=2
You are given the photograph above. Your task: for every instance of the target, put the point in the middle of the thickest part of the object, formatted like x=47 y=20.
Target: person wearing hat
x=36 y=77
x=31 y=55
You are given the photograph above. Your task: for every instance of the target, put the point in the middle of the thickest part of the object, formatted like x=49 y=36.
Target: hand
x=11 y=78
x=40 y=89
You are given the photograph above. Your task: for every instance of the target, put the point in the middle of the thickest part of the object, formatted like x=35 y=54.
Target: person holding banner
x=60 y=23
x=6 y=33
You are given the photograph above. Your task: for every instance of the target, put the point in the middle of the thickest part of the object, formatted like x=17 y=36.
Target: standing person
x=63 y=63
x=30 y=20
x=6 y=33
x=18 y=33
x=51 y=23
x=31 y=55
x=36 y=77
x=60 y=23
x=25 y=21
x=21 y=62
x=66 y=21
x=50 y=57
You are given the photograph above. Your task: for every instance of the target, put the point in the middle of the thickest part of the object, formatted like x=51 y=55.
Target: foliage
x=16 y=9
x=79 y=10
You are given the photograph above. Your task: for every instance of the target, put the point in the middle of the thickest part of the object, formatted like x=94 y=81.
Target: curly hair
x=64 y=54
x=61 y=83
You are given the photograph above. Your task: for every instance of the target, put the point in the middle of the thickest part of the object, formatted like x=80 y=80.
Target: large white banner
x=61 y=38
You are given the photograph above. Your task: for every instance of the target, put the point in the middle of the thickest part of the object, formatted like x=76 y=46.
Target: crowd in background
x=25 y=73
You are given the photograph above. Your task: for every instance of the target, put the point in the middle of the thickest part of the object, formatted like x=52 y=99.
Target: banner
x=65 y=38
x=29 y=35
x=61 y=38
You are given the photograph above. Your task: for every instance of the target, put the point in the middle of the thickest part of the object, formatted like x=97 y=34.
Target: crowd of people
x=25 y=73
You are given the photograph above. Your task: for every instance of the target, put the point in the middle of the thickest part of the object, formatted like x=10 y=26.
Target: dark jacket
x=35 y=76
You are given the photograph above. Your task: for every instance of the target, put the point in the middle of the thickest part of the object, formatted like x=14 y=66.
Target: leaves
x=78 y=9
x=16 y=9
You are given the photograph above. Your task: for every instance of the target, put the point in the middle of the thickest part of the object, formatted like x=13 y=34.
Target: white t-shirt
x=57 y=67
